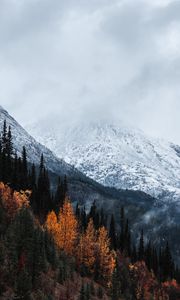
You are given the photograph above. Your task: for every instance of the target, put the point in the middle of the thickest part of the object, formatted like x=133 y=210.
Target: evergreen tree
x=88 y=292
x=112 y=233
x=100 y=293
x=65 y=187
x=116 y=284
x=9 y=143
x=82 y=292
x=134 y=255
x=4 y=138
x=43 y=198
x=23 y=285
x=92 y=288
x=122 y=229
x=15 y=173
x=167 y=263
x=141 y=247
x=78 y=213
x=24 y=169
x=59 y=196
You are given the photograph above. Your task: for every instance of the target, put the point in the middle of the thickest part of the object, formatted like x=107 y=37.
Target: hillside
x=116 y=155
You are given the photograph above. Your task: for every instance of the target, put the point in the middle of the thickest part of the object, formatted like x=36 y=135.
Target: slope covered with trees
x=49 y=250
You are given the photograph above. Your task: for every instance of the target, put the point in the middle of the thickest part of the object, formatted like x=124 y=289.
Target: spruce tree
x=116 y=284
x=24 y=169
x=82 y=292
x=112 y=233
x=23 y=285
x=43 y=195
x=141 y=246
x=59 y=196
x=122 y=229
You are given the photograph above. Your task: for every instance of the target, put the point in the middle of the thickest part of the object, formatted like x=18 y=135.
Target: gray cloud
x=92 y=59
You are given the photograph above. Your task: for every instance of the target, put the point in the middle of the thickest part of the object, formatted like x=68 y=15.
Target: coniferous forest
x=53 y=249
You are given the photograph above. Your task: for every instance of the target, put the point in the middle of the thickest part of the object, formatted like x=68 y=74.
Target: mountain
x=158 y=219
x=81 y=188
x=34 y=149
x=117 y=156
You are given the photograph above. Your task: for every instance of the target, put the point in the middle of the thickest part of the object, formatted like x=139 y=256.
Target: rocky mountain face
x=117 y=156
x=81 y=188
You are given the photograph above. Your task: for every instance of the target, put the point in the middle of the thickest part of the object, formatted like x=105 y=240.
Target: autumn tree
x=13 y=201
x=105 y=258
x=52 y=225
x=86 y=247
x=67 y=234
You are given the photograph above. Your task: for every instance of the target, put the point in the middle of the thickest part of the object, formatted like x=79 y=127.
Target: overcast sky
x=92 y=59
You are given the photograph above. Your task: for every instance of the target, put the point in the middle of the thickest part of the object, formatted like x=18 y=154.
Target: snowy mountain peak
x=34 y=149
x=117 y=155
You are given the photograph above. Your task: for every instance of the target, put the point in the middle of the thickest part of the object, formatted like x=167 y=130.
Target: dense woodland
x=50 y=249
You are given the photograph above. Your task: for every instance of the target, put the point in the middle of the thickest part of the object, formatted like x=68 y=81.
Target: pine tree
x=4 y=138
x=92 y=288
x=59 y=196
x=100 y=293
x=23 y=285
x=92 y=214
x=134 y=255
x=122 y=229
x=141 y=247
x=116 y=284
x=167 y=263
x=65 y=187
x=83 y=219
x=50 y=249
x=82 y=292
x=149 y=256
x=9 y=143
x=15 y=173
x=103 y=219
x=78 y=213
x=43 y=195
x=88 y=292
x=112 y=233
x=24 y=169
x=9 y=152
x=39 y=254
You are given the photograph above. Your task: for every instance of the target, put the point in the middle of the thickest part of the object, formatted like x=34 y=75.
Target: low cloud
x=92 y=59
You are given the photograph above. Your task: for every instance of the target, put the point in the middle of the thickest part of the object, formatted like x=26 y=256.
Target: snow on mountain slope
x=34 y=149
x=117 y=156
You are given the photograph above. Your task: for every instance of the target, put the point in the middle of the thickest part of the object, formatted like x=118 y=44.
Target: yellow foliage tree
x=86 y=247
x=13 y=201
x=105 y=257
x=68 y=228
x=52 y=225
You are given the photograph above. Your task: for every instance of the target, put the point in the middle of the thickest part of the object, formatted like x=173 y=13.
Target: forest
x=53 y=249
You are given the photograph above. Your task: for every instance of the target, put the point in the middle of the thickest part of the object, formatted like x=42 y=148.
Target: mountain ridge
x=157 y=218
x=118 y=156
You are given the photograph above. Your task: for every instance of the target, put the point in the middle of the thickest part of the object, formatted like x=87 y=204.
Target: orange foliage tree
x=105 y=257
x=94 y=252
x=64 y=229
x=52 y=225
x=147 y=286
x=13 y=201
x=68 y=228
x=86 y=247
x=93 y=248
